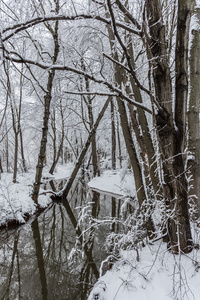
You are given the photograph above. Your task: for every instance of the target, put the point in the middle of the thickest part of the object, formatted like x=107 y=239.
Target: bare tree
x=159 y=94
x=193 y=117
x=57 y=153
x=47 y=103
x=172 y=131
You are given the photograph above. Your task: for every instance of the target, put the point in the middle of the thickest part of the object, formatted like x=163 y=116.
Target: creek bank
x=16 y=204
x=117 y=182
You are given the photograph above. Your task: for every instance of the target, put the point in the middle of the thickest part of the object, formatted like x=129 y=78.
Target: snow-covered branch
x=59 y=67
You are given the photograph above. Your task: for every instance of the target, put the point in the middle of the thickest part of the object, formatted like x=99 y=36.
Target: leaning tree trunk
x=47 y=102
x=139 y=184
x=144 y=138
x=193 y=117
x=171 y=137
x=64 y=192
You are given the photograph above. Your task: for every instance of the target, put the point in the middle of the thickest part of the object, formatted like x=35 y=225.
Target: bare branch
x=80 y=72
x=116 y=62
x=91 y=93
x=128 y=58
x=128 y=14
x=24 y=25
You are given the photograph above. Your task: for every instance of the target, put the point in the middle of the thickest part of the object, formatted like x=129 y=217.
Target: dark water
x=53 y=256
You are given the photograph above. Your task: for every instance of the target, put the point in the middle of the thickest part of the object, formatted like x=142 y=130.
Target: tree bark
x=193 y=117
x=144 y=138
x=15 y=158
x=24 y=167
x=171 y=137
x=88 y=101
x=1 y=167
x=57 y=154
x=119 y=142
x=119 y=78
x=113 y=135
x=47 y=102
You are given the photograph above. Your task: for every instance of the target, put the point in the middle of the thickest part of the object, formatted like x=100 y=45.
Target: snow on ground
x=15 y=198
x=16 y=201
x=114 y=182
x=62 y=171
x=158 y=275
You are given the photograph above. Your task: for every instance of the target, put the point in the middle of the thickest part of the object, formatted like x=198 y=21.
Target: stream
x=45 y=258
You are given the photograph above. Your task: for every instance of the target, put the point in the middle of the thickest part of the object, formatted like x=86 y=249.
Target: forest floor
x=155 y=274
x=150 y=273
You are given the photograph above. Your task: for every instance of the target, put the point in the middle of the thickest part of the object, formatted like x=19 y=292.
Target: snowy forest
x=99 y=149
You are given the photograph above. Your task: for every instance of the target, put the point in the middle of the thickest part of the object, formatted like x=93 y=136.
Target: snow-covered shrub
x=129 y=241
x=133 y=235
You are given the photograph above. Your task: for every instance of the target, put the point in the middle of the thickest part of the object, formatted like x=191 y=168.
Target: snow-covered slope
x=158 y=275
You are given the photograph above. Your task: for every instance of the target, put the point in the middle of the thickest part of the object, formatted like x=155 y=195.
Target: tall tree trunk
x=91 y=121
x=24 y=167
x=142 y=147
x=19 y=121
x=113 y=135
x=42 y=153
x=144 y=138
x=193 y=117
x=181 y=97
x=171 y=138
x=118 y=76
x=1 y=167
x=15 y=159
x=119 y=142
x=47 y=102
x=7 y=152
x=58 y=153
x=139 y=184
x=93 y=141
x=15 y=121
x=53 y=136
